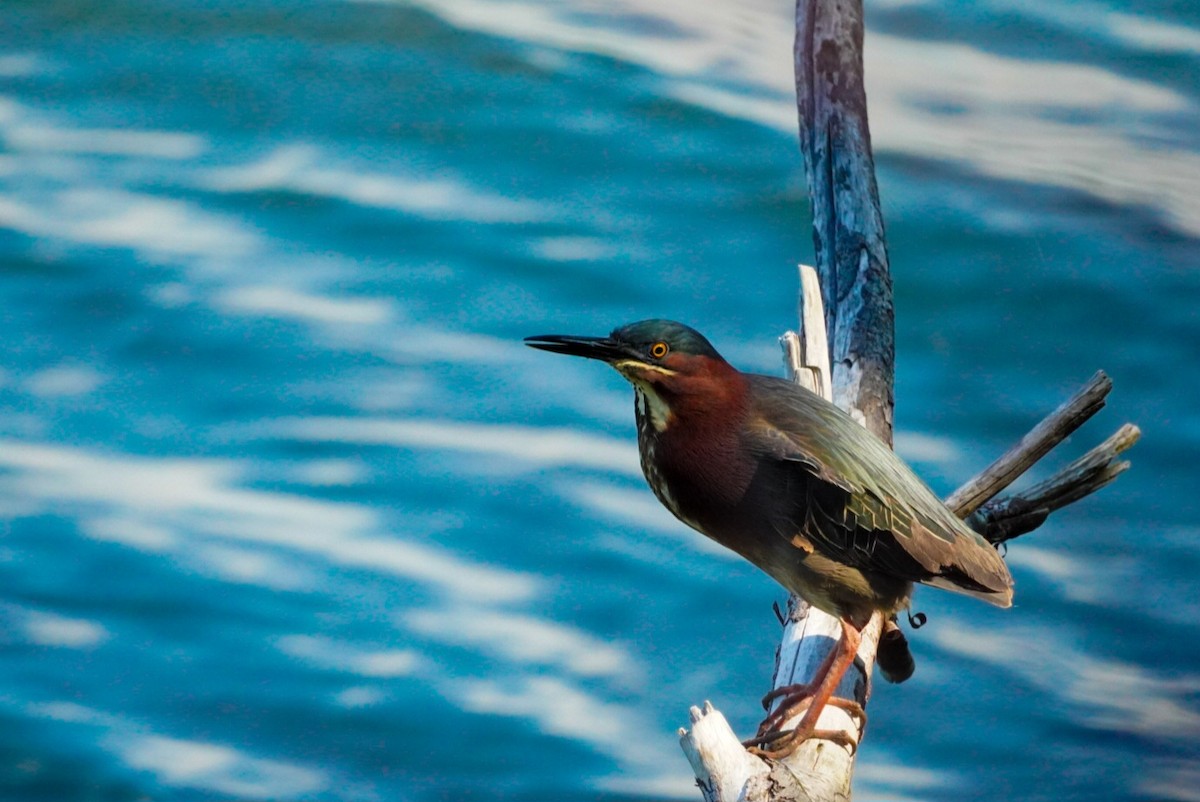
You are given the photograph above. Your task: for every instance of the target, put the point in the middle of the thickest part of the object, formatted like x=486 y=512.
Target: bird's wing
x=866 y=507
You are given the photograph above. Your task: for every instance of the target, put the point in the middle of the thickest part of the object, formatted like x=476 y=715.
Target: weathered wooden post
x=856 y=368
x=846 y=352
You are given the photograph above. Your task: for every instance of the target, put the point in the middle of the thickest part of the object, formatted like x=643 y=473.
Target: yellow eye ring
x=659 y=350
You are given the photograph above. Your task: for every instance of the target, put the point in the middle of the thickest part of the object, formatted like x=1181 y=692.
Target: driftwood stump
x=846 y=352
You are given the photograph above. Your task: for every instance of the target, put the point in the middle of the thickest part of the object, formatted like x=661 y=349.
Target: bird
x=797 y=487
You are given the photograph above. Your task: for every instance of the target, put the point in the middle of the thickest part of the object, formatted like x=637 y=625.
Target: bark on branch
x=1055 y=428
x=1003 y=519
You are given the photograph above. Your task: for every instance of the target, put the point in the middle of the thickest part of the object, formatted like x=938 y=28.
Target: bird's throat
x=651 y=408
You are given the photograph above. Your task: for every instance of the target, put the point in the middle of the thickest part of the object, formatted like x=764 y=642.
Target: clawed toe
x=799 y=690
x=775 y=745
x=853 y=709
x=809 y=699
x=773 y=742
x=791 y=705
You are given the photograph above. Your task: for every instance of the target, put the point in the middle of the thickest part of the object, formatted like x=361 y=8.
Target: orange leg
x=811 y=701
x=801 y=690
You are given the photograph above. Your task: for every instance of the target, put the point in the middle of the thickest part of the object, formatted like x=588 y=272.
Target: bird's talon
x=776 y=744
x=788 y=709
x=772 y=742
x=799 y=689
x=840 y=737
x=853 y=709
x=799 y=701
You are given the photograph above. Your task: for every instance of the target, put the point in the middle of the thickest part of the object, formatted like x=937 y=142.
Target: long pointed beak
x=603 y=348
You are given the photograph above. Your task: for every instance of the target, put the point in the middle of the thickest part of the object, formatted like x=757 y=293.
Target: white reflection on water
x=257 y=567
x=20 y=65
x=1006 y=117
x=50 y=629
x=303 y=169
x=532 y=447
x=1110 y=695
x=1172 y=779
x=565 y=710
x=106 y=142
x=288 y=303
x=214 y=767
x=202 y=497
x=521 y=638
x=1137 y=32
x=115 y=218
x=1076 y=580
x=24 y=131
x=186 y=763
x=878 y=776
x=343 y=656
x=64 y=380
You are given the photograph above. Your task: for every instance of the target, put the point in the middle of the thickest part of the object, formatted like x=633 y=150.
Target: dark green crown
x=681 y=338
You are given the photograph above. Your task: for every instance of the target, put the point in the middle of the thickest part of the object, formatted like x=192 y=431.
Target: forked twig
x=1053 y=429
x=1002 y=519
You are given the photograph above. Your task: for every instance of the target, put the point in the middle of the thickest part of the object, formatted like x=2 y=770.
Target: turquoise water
x=290 y=513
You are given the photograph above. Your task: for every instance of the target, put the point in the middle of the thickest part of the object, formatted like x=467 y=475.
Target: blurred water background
x=290 y=513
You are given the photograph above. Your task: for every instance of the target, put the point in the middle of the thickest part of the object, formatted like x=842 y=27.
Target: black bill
x=602 y=348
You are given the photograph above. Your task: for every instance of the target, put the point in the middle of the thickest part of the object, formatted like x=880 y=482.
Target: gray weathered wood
x=856 y=288
x=856 y=370
x=1003 y=519
x=848 y=233
x=1052 y=430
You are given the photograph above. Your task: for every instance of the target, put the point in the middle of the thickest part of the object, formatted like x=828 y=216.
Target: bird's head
x=672 y=365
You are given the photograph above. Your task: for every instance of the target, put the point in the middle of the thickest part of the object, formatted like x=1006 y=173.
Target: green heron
x=793 y=484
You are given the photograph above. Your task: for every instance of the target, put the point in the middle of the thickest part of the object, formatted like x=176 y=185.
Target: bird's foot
x=794 y=700
x=778 y=744
x=793 y=692
x=773 y=742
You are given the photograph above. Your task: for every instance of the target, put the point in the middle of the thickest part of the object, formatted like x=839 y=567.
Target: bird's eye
x=659 y=350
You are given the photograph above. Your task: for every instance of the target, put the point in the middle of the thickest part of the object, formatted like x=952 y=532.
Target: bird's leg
x=793 y=694
x=783 y=743
x=796 y=697
x=793 y=698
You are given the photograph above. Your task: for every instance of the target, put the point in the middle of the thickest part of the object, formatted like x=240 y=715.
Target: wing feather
x=866 y=507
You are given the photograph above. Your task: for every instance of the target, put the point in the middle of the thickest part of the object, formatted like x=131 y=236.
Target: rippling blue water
x=289 y=513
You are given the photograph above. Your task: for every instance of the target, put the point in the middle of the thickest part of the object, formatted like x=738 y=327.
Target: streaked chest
x=653 y=421
x=686 y=464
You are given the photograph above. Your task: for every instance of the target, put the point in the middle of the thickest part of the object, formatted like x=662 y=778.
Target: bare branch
x=725 y=771
x=1012 y=516
x=848 y=235
x=1053 y=429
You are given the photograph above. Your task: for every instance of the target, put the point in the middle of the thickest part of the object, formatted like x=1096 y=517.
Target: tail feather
x=1000 y=598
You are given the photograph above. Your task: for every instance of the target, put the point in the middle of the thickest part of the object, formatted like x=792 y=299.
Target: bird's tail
x=893 y=657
